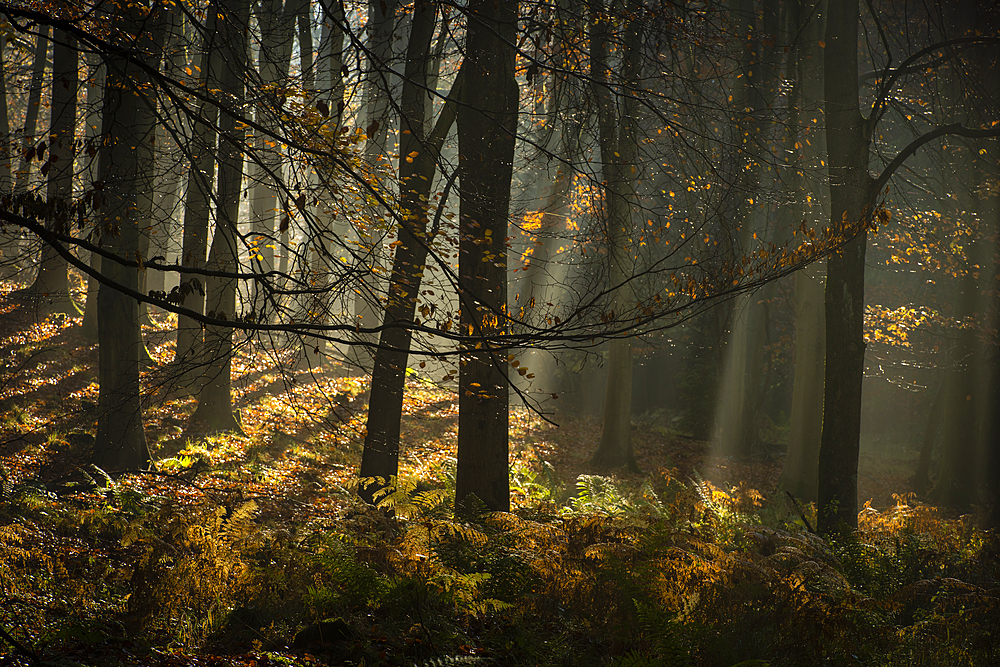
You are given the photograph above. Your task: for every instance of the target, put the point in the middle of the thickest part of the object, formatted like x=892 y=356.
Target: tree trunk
x=215 y=408
x=799 y=475
x=922 y=476
x=957 y=483
x=201 y=178
x=378 y=94
x=50 y=291
x=487 y=122
x=169 y=163
x=416 y=172
x=28 y=139
x=94 y=133
x=618 y=152
x=851 y=198
x=325 y=255
x=801 y=468
x=739 y=399
x=277 y=28
x=126 y=169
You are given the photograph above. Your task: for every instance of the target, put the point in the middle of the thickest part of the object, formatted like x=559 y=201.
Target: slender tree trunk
x=957 y=483
x=418 y=158
x=201 y=178
x=922 y=476
x=801 y=467
x=215 y=408
x=277 y=25
x=8 y=236
x=50 y=291
x=324 y=254
x=94 y=134
x=6 y=177
x=851 y=197
x=169 y=164
x=487 y=121
x=618 y=153
x=378 y=93
x=28 y=139
x=739 y=391
x=993 y=438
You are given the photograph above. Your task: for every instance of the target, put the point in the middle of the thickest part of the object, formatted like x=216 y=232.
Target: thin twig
x=801 y=513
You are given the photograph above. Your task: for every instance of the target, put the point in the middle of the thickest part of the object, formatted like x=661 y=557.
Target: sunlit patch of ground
x=305 y=427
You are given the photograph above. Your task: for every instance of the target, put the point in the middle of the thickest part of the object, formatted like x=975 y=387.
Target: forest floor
x=237 y=546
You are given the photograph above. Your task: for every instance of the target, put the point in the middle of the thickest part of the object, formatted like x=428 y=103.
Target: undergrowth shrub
x=193 y=564
x=640 y=574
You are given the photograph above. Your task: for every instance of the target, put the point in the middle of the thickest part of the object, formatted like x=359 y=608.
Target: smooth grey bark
x=277 y=22
x=215 y=406
x=800 y=472
x=6 y=177
x=9 y=237
x=957 y=482
x=28 y=139
x=322 y=250
x=126 y=169
x=50 y=290
x=487 y=122
x=197 y=206
x=743 y=388
x=169 y=164
x=618 y=152
x=957 y=485
x=91 y=174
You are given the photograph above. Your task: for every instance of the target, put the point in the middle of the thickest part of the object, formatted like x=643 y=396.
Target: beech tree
x=50 y=289
x=215 y=398
x=419 y=152
x=854 y=195
x=617 y=137
x=487 y=124
x=126 y=171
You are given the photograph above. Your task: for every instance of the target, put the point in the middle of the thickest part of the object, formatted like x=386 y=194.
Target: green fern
x=449 y=660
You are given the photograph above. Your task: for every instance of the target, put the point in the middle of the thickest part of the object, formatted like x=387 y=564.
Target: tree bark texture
x=28 y=139
x=277 y=22
x=50 y=290
x=487 y=121
x=126 y=169
x=379 y=91
x=801 y=469
x=215 y=400
x=197 y=202
x=851 y=198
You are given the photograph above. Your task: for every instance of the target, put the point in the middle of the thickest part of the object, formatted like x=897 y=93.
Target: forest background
x=296 y=294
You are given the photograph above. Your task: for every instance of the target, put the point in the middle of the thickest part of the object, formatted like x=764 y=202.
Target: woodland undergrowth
x=683 y=574
x=254 y=550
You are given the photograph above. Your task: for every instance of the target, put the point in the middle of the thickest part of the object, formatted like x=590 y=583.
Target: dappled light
x=250 y=541
x=604 y=333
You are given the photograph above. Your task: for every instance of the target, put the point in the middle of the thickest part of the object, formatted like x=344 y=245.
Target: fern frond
x=450 y=660
x=464 y=532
